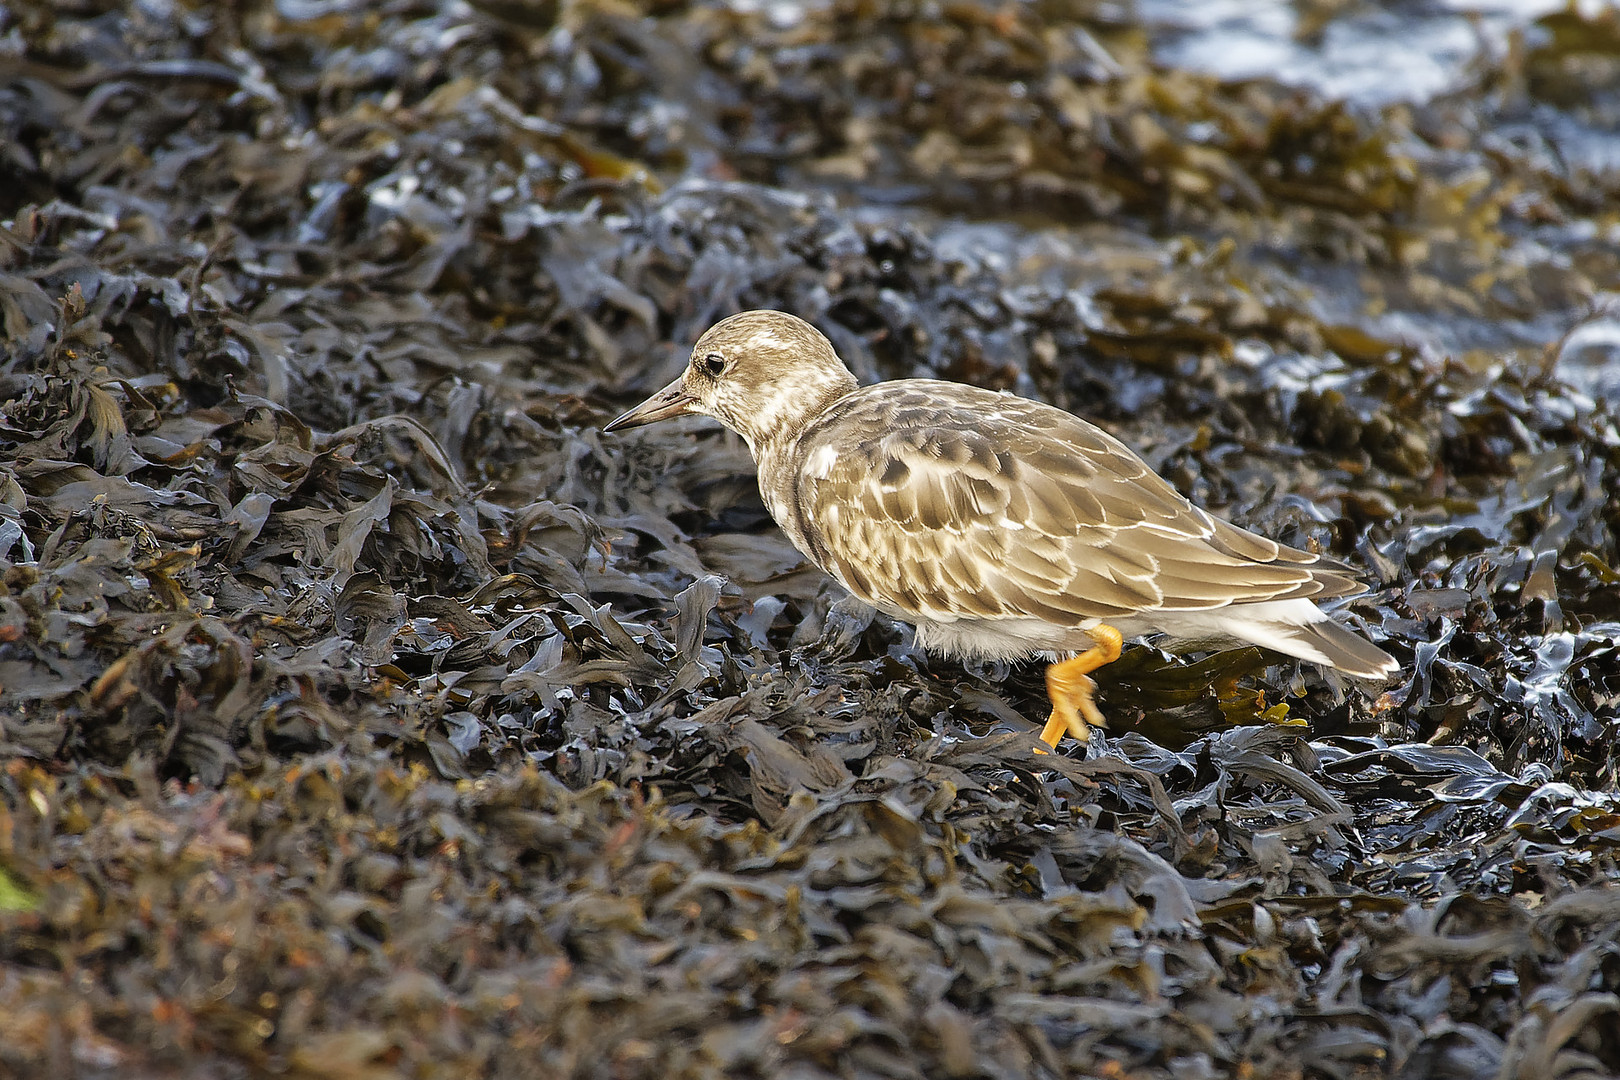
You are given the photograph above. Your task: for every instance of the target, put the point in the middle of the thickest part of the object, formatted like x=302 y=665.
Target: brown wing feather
x=924 y=516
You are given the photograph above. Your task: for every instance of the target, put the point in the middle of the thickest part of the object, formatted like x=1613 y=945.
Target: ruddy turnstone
x=998 y=526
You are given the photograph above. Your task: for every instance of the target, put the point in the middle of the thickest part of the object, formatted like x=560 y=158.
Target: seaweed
x=364 y=712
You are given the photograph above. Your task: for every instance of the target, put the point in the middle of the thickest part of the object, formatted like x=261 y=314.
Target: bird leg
x=1069 y=685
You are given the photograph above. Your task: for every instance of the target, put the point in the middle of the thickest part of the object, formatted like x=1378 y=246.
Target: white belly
x=998 y=639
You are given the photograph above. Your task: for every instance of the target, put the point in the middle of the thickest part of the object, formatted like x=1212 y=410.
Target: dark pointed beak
x=672 y=400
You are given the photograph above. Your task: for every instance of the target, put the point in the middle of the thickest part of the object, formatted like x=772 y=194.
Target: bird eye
x=714 y=363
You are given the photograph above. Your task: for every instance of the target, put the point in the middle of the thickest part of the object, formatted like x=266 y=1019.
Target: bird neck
x=790 y=408
x=779 y=456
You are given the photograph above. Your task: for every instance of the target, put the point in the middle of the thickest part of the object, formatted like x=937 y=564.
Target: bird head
x=763 y=374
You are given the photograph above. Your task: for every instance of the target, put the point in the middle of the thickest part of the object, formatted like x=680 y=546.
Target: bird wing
x=943 y=501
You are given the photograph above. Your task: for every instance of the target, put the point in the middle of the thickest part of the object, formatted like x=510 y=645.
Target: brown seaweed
x=363 y=712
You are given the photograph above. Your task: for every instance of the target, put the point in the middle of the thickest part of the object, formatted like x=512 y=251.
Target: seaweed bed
x=365 y=713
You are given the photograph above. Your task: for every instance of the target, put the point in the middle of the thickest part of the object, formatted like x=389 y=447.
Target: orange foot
x=1069 y=685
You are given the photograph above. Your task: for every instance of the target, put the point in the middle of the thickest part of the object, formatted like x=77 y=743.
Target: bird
x=1000 y=527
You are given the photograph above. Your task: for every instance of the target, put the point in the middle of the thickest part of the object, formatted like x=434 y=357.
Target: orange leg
x=1069 y=686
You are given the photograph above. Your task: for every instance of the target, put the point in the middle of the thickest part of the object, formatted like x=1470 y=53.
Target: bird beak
x=672 y=400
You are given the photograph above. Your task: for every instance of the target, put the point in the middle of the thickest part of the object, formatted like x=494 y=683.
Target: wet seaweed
x=365 y=712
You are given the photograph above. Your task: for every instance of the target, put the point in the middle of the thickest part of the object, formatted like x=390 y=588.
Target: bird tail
x=1344 y=649
x=1296 y=627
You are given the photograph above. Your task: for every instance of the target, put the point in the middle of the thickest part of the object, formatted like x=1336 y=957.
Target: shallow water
x=1368 y=54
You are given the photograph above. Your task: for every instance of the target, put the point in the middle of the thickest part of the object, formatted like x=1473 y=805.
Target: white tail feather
x=1295 y=627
